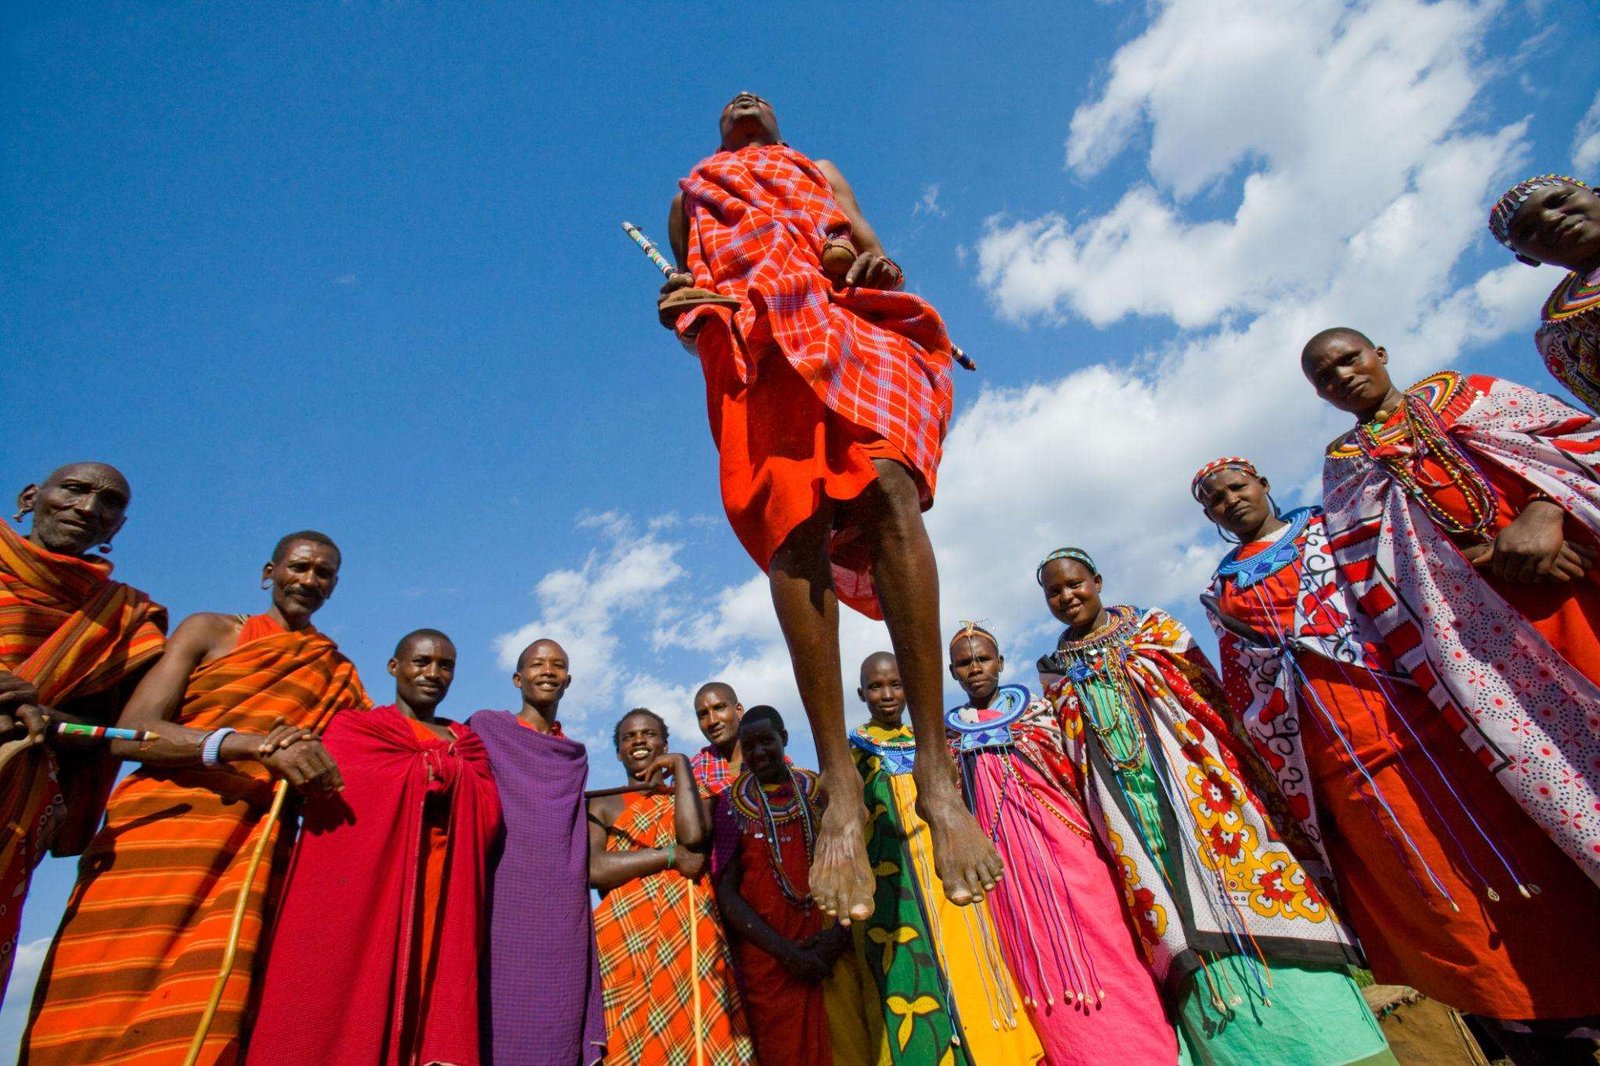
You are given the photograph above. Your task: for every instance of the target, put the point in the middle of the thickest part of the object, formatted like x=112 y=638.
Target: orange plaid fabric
x=642 y=930
x=73 y=633
x=130 y=972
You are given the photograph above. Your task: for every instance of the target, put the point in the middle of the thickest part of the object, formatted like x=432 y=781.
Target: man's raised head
x=747 y=119
x=717 y=711
x=542 y=676
x=302 y=575
x=423 y=666
x=76 y=507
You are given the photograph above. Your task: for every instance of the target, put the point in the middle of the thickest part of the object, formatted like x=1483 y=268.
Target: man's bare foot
x=963 y=856
x=841 y=879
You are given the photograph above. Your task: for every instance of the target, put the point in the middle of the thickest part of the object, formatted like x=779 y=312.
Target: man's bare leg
x=907 y=580
x=808 y=612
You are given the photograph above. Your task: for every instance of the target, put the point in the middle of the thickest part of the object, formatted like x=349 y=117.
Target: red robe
x=807 y=382
x=363 y=918
x=1414 y=784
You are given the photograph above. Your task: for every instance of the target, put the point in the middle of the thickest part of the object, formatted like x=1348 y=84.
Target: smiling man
x=717 y=710
x=72 y=640
x=657 y=916
x=388 y=890
x=544 y=1000
x=236 y=703
x=828 y=391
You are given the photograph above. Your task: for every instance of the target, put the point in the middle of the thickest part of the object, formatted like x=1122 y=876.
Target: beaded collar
x=1573 y=297
x=1263 y=564
x=750 y=803
x=1078 y=659
x=895 y=757
x=1009 y=700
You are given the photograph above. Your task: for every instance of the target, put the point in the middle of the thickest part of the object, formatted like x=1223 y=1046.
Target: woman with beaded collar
x=803 y=986
x=1555 y=219
x=1058 y=912
x=1252 y=959
x=1415 y=828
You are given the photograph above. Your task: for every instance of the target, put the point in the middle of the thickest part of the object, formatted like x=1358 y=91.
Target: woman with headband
x=1252 y=959
x=1554 y=219
x=1435 y=863
x=1058 y=911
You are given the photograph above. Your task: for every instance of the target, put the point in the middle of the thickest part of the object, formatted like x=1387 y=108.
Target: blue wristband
x=211 y=747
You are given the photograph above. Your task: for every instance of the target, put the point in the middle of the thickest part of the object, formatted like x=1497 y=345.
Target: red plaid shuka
x=807 y=382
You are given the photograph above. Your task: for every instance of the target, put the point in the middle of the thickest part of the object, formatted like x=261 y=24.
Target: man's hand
x=15 y=692
x=1533 y=548
x=306 y=765
x=874 y=271
x=830 y=944
x=689 y=862
x=281 y=737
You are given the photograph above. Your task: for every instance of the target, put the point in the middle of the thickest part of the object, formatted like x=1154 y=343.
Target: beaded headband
x=1075 y=554
x=1227 y=462
x=1500 y=214
x=973 y=629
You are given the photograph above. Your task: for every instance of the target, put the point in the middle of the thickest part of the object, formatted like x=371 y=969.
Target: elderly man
x=829 y=396
x=70 y=639
x=235 y=702
x=544 y=1001
x=1463 y=516
x=389 y=886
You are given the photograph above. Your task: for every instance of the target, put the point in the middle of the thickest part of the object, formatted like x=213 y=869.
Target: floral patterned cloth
x=1204 y=869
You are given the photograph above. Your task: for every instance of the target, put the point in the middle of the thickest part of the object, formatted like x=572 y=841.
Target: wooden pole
x=694 y=976
x=232 y=947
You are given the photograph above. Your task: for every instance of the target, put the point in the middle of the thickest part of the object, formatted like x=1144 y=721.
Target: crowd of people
x=1142 y=858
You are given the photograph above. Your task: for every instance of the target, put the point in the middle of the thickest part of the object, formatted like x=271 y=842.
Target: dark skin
x=801 y=580
x=1238 y=502
x=1072 y=592
x=976 y=665
x=1352 y=374
x=810 y=960
x=77 y=507
x=642 y=751
x=718 y=710
x=882 y=691
x=542 y=678
x=423 y=668
x=1560 y=225
x=301 y=580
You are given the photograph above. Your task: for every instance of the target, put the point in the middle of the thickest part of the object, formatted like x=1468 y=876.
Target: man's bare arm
x=872 y=268
x=678 y=234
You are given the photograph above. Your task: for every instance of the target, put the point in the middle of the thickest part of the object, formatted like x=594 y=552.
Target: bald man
x=544 y=1000
x=72 y=644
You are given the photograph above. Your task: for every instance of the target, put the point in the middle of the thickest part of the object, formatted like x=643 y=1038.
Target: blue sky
x=359 y=268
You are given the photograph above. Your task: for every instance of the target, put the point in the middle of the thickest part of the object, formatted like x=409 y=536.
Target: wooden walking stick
x=694 y=974
x=231 y=949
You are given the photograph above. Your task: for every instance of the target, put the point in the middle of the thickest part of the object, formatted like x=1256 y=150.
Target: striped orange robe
x=642 y=931
x=133 y=965
x=75 y=635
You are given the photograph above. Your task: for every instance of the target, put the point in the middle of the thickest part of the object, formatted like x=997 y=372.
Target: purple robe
x=543 y=1002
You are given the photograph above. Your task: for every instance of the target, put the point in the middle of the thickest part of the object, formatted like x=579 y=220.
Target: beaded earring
x=105 y=549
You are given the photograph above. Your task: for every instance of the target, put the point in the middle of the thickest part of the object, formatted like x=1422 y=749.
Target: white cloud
x=1586 y=141
x=19 y=993
x=929 y=203
x=1327 y=110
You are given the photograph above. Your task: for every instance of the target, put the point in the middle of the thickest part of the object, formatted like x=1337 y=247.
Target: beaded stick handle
x=101 y=732
x=649 y=248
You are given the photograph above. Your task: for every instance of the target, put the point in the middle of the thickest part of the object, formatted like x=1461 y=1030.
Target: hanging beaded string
x=1428 y=436
x=1525 y=889
x=770 y=820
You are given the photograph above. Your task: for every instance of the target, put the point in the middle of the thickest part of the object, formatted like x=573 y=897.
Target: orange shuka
x=133 y=965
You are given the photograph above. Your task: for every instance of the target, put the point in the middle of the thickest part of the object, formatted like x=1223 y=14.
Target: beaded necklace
x=1265 y=563
x=1101 y=657
x=1428 y=436
x=752 y=801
